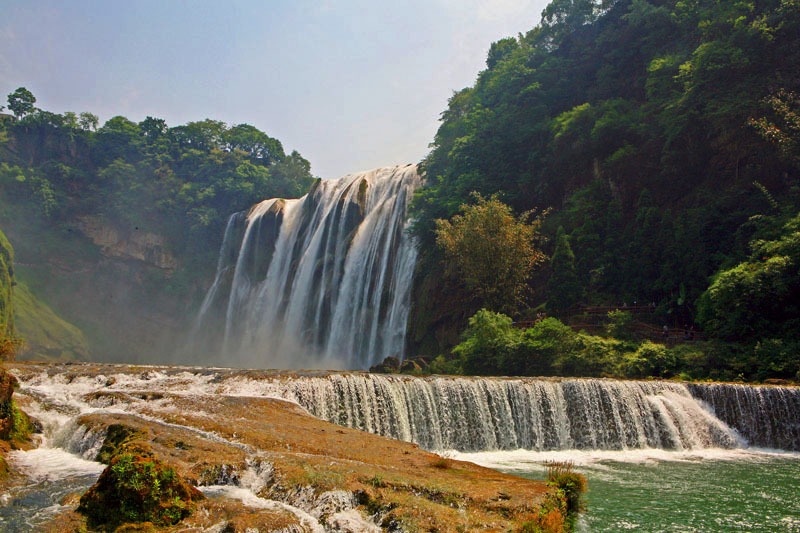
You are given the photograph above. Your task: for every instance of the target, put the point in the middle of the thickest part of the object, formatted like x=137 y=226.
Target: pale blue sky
x=351 y=85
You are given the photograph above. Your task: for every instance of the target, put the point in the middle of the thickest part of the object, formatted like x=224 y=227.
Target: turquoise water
x=711 y=491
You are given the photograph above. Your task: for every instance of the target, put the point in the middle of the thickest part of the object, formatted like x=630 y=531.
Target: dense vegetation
x=123 y=222
x=6 y=292
x=664 y=136
x=181 y=182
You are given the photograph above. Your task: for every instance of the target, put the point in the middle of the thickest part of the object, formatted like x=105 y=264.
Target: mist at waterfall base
x=319 y=282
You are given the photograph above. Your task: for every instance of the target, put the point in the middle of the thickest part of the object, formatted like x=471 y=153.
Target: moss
x=21 y=427
x=118 y=436
x=138 y=488
x=6 y=291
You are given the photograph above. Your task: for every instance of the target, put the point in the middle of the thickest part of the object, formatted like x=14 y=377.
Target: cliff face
x=94 y=291
x=137 y=245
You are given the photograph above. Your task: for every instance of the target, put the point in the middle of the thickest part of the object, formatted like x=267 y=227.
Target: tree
x=500 y=50
x=492 y=251
x=153 y=128
x=88 y=121
x=21 y=101
x=783 y=129
x=257 y=144
x=564 y=288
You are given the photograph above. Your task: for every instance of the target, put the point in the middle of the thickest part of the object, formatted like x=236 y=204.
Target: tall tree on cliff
x=492 y=251
x=564 y=288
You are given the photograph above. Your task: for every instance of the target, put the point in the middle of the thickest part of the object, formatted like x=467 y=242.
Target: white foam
x=528 y=460
x=49 y=464
x=250 y=499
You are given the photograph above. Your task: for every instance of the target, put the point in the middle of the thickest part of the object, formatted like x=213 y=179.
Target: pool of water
x=50 y=475
x=712 y=490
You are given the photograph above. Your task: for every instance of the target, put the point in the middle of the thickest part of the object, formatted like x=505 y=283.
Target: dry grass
x=405 y=485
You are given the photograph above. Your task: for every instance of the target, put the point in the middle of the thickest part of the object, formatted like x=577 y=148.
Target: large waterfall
x=321 y=281
x=474 y=414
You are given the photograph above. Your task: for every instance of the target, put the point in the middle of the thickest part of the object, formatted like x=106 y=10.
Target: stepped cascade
x=765 y=416
x=476 y=414
x=456 y=413
x=320 y=281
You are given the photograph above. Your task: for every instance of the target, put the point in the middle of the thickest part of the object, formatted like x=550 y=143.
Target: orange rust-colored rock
x=212 y=439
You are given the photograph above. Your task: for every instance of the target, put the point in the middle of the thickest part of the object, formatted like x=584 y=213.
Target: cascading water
x=512 y=421
x=765 y=416
x=321 y=281
x=476 y=414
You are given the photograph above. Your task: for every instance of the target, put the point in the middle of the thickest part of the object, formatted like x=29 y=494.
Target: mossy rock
x=15 y=426
x=6 y=288
x=410 y=367
x=136 y=489
x=118 y=436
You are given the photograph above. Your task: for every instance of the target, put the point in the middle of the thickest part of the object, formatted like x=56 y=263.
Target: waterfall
x=765 y=416
x=476 y=414
x=320 y=281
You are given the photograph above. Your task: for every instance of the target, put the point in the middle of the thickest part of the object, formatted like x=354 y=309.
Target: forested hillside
x=664 y=137
x=120 y=225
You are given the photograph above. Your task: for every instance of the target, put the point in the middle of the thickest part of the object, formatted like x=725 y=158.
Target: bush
x=138 y=488
x=572 y=484
x=619 y=325
x=442 y=365
x=649 y=360
x=488 y=340
x=540 y=346
x=591 y=356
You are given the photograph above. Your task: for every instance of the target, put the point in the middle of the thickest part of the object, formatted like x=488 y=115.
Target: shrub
x=649 y=359
x=138 y=488
x=619 y=325
x=442 y=365
x=572 y=484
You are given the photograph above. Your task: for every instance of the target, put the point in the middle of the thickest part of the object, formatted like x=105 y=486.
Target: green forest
x=159 y=194
x=664 y=138
x=618 y=194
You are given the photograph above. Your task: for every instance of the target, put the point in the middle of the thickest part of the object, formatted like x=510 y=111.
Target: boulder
x=390 y=365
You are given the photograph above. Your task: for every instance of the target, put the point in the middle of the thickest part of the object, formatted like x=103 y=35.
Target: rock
x=410 y=367
x=138 y=488
x=390 y=365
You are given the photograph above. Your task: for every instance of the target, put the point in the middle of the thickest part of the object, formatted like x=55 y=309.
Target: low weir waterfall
x=496 y=417
x=320 y=281
x=478 y=414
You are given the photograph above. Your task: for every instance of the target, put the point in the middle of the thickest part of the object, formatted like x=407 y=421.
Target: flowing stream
x=658 y=455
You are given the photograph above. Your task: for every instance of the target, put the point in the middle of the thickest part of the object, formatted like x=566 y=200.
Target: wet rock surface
x=265 y=464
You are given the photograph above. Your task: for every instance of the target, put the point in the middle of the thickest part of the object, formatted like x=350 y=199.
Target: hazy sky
x=351 y=85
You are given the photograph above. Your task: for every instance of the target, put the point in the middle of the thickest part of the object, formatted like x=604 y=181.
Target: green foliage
x=620 y=324
x=492 y=251
x=441 y=365
x=649 y=360
x=564 y=287
x=758 y=297
x=180 y=182
x=6 y=289
x=488 y=341
x=492 y=346
x=644 y=126
x=137 y=488
x=21 y=101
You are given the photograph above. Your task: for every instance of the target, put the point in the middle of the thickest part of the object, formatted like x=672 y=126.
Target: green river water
x=737 y=490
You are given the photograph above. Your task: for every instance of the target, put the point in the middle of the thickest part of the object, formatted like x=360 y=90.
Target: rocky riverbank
x=235 y=461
